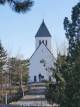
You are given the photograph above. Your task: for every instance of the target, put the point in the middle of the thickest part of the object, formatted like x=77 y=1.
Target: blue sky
x=17 y=31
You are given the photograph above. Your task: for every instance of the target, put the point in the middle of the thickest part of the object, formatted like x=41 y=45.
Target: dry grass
x=11 y=90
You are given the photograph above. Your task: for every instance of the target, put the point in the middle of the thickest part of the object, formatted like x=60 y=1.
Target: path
x=35 y=97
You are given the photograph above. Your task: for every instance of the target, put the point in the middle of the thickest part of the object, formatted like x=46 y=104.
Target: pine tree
x=70 y=69
x=55 y=90
x=18 y=73
x=72 y=28
x=19 y=6
x=3 y=60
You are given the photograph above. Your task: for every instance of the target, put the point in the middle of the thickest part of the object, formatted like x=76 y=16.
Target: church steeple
x=43 y=36
x=43 y=31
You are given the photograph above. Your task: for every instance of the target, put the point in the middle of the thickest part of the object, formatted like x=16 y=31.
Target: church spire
x=43 y=21
x=43 y=31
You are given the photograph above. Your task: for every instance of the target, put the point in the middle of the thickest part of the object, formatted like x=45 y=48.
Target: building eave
x=46 y=48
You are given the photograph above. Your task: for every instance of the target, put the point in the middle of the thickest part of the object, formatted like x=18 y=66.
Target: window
x=46 y=42
x=39 y=42
x=42 y=41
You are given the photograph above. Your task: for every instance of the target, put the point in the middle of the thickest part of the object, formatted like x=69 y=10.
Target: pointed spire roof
x=43 y=31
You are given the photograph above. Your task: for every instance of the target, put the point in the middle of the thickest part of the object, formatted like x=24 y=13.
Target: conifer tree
x=3 y=60
x=72 y=28
x=19 y=6
x=55 y=90
x=70 y=71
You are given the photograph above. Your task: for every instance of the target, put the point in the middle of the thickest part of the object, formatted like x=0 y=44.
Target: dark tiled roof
x=43 y=31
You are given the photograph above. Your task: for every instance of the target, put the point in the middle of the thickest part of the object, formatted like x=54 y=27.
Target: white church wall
x=36 y=67
x=43 y=38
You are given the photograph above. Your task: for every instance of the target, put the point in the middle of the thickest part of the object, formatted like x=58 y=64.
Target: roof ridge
x=46 y=48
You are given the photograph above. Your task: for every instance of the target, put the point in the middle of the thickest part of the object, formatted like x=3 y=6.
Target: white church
x=42 y=60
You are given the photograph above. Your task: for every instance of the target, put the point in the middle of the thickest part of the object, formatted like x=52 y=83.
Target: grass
x=12 y=90
x=11 y=93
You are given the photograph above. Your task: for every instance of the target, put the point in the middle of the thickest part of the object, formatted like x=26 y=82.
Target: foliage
x=13 y=75
x=25 y=65
x=3 y=60
x=13 y=72
x=18 y=70
x=69 y=70
x=72 y=29
x=55 y=90
x=3 y=57
x=18 y=77
x=18 y=5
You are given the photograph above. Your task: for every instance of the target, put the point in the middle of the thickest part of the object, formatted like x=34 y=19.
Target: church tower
x=42 y=59
x=43 y=36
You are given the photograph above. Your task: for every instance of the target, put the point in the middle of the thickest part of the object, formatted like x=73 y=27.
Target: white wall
x=43 y=38
x=36 y=67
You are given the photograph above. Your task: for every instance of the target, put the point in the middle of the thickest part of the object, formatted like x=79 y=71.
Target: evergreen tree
x=69 y=71
x=3 y=57
x=18 y=73
x=72 y=28
x=18 y=5
x=55 y=90
x=18 y=67
x=3 y=60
